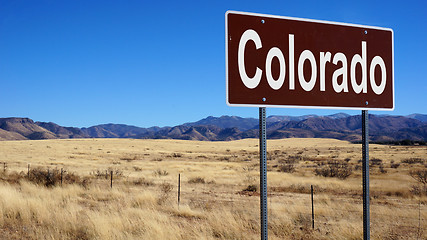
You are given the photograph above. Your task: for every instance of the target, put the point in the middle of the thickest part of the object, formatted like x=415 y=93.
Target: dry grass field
x=219 y=189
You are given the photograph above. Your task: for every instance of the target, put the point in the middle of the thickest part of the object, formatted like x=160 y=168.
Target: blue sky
x=162 y=63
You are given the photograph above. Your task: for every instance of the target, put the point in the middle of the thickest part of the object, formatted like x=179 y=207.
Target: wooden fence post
x=312 y=207
x=179 y=188
x=111 y=183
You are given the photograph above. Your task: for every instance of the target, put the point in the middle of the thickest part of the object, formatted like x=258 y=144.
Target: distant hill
x=23 y=128
x=120 y=130
x=342 y=126
x=227 y=122
x=349 y=128
x=7 y=135
x=421 y=117
x=63 y=132
x=117 y=131
x=275 y=118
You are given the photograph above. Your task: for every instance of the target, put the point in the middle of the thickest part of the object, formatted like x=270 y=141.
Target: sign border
x=305 y=20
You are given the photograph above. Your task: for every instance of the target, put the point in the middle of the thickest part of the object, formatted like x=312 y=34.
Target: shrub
x=196 y=180
x=287 y=168
x=160 y=173
x=394 y=165
x=251 y=188
x=419 y=190
x=303 y=221
x=116 y=172
x=129 y=158
x=85 y=182
x=100 y=173
x=165 y=189
x=70 y=178
x=142 y=181
x=419 y=175
x=334 y=168
x=294 y=158
x=137 y=169
x=106 y=173
x=12 y=177
x=375 y=161
x=49 y=177
x=382 y=170
x=42 y=177
x=413 y=160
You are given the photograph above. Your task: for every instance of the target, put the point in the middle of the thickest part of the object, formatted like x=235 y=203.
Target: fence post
x=28 y=173
x=419 y=219
x=179 y=188
x=312 y=207
x=61 y=176
x=4 y=167
x=111 y=183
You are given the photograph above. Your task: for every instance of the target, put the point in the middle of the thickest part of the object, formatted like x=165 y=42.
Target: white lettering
x=253 y=36
x=275 y=84
x=323 y=59
x=307 y=55
x=340 y=57
x=362 y=61
x=377 y=60
x=291 y=63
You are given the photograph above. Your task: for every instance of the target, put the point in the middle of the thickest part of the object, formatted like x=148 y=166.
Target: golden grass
x=143 y=201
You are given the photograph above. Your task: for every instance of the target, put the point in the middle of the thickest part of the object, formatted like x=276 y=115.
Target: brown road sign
x=274 y=61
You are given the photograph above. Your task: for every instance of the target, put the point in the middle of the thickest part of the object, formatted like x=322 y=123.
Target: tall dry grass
x=143 y=201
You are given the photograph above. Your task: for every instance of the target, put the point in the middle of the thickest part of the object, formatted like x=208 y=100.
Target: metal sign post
x=263 y=172
x=365 y=174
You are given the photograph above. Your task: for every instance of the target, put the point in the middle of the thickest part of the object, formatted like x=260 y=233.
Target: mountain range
x=382 y=128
